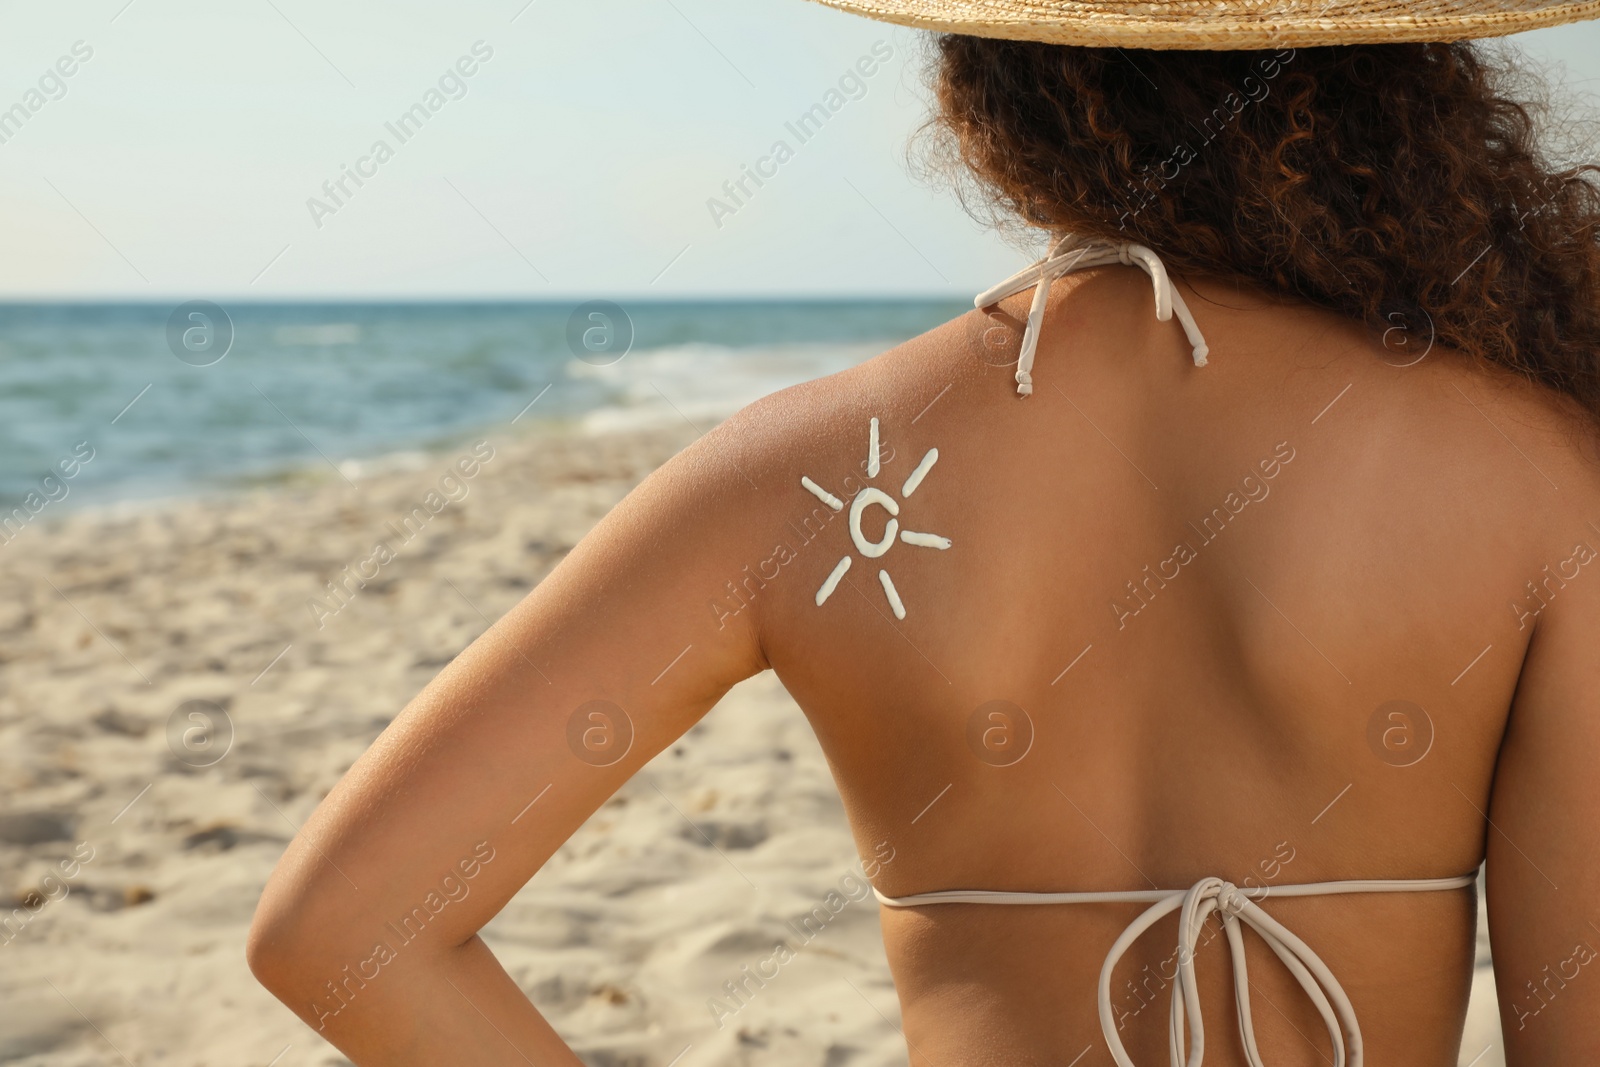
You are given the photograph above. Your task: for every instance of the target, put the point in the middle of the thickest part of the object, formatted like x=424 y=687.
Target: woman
x=1281 y=573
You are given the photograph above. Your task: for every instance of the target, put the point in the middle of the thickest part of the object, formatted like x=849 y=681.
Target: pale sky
x=179 y=160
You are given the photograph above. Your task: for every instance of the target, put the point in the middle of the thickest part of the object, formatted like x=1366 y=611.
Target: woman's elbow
x=276 y=947
x=293 y=938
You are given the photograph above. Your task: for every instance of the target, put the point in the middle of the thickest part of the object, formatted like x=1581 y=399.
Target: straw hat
x=1224 y=24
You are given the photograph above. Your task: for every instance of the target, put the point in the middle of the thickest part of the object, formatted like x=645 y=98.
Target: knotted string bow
x=1238 y=909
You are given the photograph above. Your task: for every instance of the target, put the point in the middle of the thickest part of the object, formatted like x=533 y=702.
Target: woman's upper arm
x=1544 y=842
x=494 y=765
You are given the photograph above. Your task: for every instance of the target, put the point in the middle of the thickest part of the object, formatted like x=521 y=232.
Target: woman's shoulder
x=776 y=436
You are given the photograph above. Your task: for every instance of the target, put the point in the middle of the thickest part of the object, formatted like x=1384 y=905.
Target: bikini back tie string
x=1072 y=253
x=1238 y=909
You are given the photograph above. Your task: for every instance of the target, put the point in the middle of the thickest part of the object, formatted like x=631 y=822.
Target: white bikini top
x=1072 y=253
x=1236 y=906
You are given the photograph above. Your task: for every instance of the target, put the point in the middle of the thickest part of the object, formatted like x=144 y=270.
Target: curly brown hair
x=1396 y=184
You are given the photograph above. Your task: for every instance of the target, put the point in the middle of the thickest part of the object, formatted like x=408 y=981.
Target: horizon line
x=553 y=300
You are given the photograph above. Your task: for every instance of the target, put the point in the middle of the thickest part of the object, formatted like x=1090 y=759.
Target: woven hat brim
x=1223 y=24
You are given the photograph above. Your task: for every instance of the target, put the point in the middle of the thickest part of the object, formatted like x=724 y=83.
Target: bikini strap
x=1072 y=253
x=1238 y=910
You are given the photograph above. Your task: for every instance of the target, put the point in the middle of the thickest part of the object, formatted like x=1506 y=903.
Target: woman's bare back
x=1264 y=620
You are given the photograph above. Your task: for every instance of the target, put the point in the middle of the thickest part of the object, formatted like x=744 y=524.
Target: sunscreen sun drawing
x=865 y=499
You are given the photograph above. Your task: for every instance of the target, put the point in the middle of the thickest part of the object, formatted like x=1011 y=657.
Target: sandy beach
x=179 y=688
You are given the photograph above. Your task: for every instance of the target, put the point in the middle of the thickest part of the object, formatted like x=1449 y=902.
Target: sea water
x=348 y=386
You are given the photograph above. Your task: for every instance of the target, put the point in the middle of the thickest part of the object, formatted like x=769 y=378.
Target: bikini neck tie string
x=1236 y=909
x=1072 y=253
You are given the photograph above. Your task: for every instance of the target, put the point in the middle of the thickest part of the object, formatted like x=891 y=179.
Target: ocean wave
x=705 y=383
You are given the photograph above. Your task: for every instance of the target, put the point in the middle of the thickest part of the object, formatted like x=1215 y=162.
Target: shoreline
x=306 y=473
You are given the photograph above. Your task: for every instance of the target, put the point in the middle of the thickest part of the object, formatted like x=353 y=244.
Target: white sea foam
x=706 y=383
